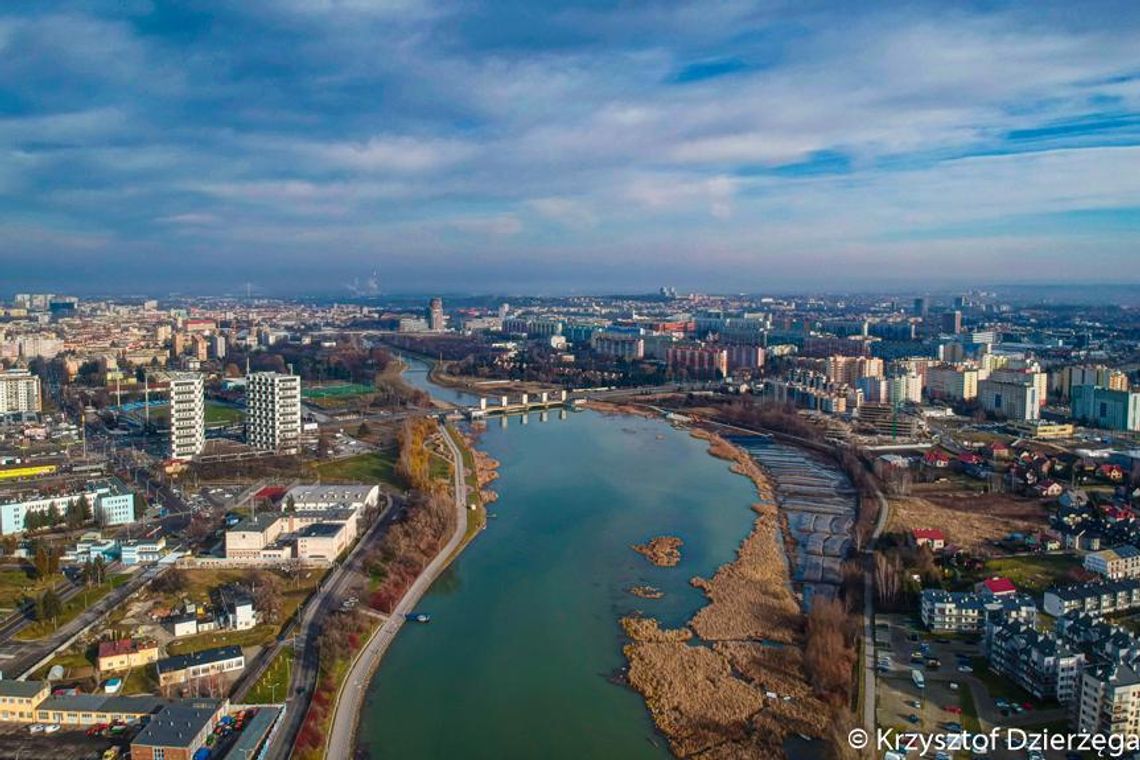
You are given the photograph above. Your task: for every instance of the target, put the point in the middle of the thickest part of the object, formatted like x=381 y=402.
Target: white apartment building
x=1012 y=400
x=19 y=391
x=187 y=414
x=273 y=406
x=1120 y=562
x=1110 y=700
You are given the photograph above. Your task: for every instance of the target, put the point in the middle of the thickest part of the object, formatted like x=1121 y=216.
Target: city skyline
x=418 y=146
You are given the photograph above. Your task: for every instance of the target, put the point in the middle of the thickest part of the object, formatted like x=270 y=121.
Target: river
x=524 y=630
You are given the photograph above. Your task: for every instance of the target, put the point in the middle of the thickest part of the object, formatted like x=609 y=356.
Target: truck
x=918 y=678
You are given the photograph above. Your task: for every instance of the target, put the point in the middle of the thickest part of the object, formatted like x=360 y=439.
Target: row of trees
x=76 y=514
x=413 y=467
x=829 y=652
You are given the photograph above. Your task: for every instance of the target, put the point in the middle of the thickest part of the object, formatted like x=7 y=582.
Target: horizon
x=420 y=145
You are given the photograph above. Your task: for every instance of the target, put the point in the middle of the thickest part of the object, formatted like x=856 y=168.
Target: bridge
x=539 y=402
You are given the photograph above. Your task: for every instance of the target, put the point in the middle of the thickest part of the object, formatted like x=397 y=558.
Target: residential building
x=1110 y=700
x=1012 y=400
x=967 y=611
x=1119 y=562
x=178 y=731
x=1037 y=662
x=931 y=537
x=114 y=502
x=1097 y=599
x=745 y=356
x=698 y=361
x=12 y=514
x=187 y=415
x=1104 y=408
x=18 y=699
x=618 y=345
x=208 y=662
x=273 y=404
x=1100 y=375
x=952 y=383
x=850 y=369
x=19 y=392
x=125 y=654
x=236 y=609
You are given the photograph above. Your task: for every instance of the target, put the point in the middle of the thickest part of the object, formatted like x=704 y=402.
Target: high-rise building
x=920 y=307
x=1014 y=400
x=1104 y=408
x=952 y=322
x=956 y=383
x=273 y=404
x=187 y=414
x=435 y=315
x=19 y=391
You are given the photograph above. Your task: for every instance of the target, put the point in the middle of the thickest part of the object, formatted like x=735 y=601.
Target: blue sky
x=307 y=145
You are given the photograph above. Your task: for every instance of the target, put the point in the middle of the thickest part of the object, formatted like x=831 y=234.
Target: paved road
x=304 y=642
x=342 y=737
x=869 y=616
x=25 y=655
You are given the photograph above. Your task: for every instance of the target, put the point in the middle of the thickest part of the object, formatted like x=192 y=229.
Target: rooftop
x=321 y=530
x=205 y=657
x=123 y=646
x=22 y=689
x=179 y=724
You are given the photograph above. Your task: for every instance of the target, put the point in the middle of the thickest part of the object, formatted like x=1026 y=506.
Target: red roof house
x=999 y=586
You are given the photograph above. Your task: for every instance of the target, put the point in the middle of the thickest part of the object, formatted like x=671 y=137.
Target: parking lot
x=952 y=696
x=18 y=743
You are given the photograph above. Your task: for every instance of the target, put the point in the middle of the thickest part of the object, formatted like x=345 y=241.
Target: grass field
x=71 y=610
x=374 y=467
x=216 y=414
x=333 y=391
x=15 y=584
x=259 y=635
x=274 y=682
x=1033 y=574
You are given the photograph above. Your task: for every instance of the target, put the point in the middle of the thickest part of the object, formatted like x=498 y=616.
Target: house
x=208 y=662
x=998 y=586
x=1119 y=562
x=182 y=625
x=1049 y=489
x=931 y=537
x=936 y=458
x=996 y=450
x=178 y=731
x=235 y=609
x=125 y=654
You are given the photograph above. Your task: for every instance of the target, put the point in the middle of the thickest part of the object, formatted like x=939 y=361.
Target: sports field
x=334 y=391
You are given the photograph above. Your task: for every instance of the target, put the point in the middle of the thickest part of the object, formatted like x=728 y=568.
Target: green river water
x=524 y=629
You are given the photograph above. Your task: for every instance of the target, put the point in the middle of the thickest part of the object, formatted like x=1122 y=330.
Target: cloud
x=831 y=138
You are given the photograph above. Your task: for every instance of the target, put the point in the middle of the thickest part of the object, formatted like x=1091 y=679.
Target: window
x=159 y=753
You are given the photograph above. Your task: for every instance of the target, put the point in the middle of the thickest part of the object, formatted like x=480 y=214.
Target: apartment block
x=1036 y=661
x=1119 y=562
x=952 y=383
x=1097 y=599
x=273 y=404
x=1012 y=400
x=1105 y=408
x=1110 y=700
x=187 y=415
x=19 y=392
x=967 y=611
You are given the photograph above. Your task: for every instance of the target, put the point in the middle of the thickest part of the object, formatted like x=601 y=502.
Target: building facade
x=1105 y=408
x=273 y=404
x=19 y=392
x=1012 y=400
x=187 y=415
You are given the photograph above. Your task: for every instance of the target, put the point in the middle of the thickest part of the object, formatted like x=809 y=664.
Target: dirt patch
x=646 y=592
x=970 y=521
x=616 y=408
x=663 y=551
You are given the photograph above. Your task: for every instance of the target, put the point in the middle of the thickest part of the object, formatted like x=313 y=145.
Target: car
x=965 y=669
x=36 y=728
x=915 y=704
x=912 y=718
x=51 y=728
x=953 y=709
x=1027 y=706
x=953 y=726
x=954 y=686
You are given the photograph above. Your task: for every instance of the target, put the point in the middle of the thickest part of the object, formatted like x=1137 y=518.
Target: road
x=20 y=656
x=341 y=739
x=307 y=632
x=869 y=615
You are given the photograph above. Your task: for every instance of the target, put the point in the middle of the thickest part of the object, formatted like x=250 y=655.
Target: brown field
x=970 y=520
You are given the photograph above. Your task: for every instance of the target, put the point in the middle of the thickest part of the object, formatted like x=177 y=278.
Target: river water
x=524 y=631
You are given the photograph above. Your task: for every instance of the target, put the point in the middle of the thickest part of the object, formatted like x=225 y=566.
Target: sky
x=358 y=146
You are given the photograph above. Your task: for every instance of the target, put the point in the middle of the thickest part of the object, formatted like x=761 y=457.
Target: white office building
x=187 y=414
x=273 y=406
x=19 y=392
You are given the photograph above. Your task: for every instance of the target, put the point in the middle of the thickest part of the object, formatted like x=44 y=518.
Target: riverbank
x=731 y=683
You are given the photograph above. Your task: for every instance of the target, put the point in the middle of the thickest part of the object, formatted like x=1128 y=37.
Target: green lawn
x=15 y=584
x=273 y=686
x=1033 y=574
x=259 y=635
x=374 y=467
x=216 y=414
x=333 y=391
x=71 y=610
